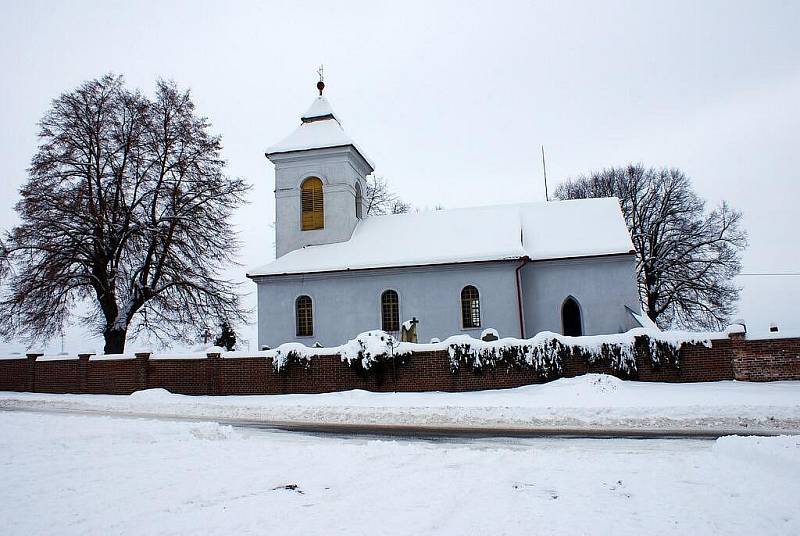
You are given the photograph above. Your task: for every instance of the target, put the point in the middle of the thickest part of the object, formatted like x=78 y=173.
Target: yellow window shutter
x=312 y=204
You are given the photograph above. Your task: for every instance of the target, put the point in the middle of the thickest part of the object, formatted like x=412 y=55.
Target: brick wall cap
x=737 y=327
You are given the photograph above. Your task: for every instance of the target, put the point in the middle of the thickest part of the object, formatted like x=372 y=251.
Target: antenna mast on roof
x=544 y=171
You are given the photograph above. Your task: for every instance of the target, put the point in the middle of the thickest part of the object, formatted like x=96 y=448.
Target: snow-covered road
x=109 y=475
x=590 y=403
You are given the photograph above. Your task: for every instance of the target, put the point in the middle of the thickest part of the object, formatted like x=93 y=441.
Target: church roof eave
x=393 y=267
x=271 y=152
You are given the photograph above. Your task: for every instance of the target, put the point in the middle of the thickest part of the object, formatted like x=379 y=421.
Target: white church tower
x=320 y=176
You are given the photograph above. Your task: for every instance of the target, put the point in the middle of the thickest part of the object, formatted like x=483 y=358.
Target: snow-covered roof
x=320 y=128
x=319 y=108
x=539 y=231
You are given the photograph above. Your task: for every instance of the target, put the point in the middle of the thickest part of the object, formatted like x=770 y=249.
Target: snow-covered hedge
x=545 y=352
x=365 y=350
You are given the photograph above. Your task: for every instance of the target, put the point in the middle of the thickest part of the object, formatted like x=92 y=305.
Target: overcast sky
x=453 y=100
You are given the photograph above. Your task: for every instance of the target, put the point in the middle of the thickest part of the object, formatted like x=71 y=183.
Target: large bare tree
x=380 y=200
x=687 y=256
x=126 y=209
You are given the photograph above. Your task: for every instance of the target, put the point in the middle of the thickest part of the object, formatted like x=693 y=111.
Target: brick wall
x=57 y=376
x=733 y=358
x=766 y=360
x=16 y=374
x=115 y=377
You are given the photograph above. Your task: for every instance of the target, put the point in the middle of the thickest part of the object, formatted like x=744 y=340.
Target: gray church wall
x=348 y=303
x=602 y=286
x=339 y=168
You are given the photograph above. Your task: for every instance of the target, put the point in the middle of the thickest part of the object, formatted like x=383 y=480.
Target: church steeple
x=319 y=128
x=320 y=174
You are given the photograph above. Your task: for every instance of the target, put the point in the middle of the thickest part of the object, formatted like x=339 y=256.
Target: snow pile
x=152 y=395
x=489 y=332
x=587 y=390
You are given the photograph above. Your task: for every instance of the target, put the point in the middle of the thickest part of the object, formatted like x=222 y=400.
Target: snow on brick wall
x=367 y=363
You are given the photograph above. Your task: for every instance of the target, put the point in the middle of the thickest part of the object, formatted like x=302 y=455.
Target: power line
x=778 y=274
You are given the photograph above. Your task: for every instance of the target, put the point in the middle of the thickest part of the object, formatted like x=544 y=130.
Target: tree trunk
x=115 y=341
x=652 y=312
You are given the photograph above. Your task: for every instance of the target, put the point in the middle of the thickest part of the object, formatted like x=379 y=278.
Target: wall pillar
x=739 y=357
x=213 y=373
x=83 y=370
x=31 y=375
x=142 y=360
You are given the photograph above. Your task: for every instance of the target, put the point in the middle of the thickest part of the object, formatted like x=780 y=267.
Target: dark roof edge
x=313 y=118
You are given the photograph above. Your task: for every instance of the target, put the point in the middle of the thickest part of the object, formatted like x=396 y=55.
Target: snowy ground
x=109 y=475
x=592 y=401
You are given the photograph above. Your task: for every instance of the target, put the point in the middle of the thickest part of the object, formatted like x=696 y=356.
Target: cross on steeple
x=321 y=83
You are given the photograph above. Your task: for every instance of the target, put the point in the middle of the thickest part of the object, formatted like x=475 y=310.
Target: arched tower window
x=359 y=201
x=571 y=318
x=313 y=216
x=304 y=316
x=390 y=311
x=470 y=307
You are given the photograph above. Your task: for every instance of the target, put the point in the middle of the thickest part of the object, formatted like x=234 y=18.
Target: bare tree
x=687 y=256
x=126 y=209
x=380 y=200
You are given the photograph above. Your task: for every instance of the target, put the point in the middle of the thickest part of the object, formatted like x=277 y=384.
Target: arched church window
x=313 y=216
x=304 y=316
x=359 y=201
x=390 y=311
x=571 y=318
x=470 y=307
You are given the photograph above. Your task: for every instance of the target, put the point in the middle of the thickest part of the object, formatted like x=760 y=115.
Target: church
x=561 y=266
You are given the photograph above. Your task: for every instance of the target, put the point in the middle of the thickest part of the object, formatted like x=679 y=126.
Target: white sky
x=453 y=100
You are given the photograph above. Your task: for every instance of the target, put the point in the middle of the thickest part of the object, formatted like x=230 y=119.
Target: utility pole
x=544 y=171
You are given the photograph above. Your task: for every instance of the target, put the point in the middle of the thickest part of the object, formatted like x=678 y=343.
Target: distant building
x=565 y=266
